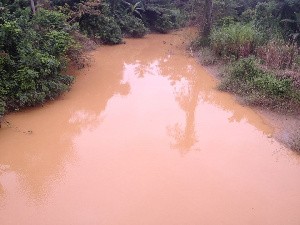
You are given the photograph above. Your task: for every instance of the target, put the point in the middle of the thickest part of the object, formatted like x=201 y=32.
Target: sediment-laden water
x=144 y=138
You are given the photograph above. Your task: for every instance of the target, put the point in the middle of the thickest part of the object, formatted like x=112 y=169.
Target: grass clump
x=260 y=87
x=235 y=40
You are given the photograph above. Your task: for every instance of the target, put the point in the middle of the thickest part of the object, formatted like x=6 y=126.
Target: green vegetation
x=258 y=41
x=162 y=19
x=39 y=38
x=235 y=40
x=32 y=59
x=266 y=33
x=132 y=26
x=260 y=87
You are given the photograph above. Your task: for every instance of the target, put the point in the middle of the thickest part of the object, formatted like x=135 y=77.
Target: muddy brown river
x=143 y=138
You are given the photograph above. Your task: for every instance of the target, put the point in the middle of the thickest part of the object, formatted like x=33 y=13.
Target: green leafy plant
x=259 y=87
x=101 y=27
x=32 y=60
x=161 y=19
x=134 y=8
x=132 y=26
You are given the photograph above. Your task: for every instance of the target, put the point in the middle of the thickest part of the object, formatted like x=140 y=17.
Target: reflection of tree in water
x=46 y=159
x=195 y=87
x=187 y=98
x=140 y=70
x=2 y=170
x=1 y=190
x=186 y=95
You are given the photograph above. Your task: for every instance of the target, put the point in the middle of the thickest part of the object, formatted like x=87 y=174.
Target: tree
x=133 y=8
x=208 y=18
x=32 y=6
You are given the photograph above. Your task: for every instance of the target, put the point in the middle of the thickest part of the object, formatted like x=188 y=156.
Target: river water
x=144 y=138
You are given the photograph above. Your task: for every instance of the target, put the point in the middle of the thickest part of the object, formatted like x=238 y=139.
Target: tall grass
x=235 y=41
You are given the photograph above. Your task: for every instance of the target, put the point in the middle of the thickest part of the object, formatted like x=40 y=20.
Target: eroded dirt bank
x=144 y=138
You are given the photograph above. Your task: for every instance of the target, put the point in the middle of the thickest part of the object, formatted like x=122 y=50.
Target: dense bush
x=32 y=58
x=132 y=26
x=259 y=87
x=107 y=20
x=101 y=27
x=34 y=46
x=161 y=19
x=236 y=40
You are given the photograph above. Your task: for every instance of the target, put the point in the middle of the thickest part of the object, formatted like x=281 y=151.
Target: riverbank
x=286 y=126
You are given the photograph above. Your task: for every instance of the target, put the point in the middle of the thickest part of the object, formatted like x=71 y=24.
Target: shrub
x=50 y=20
x=266 y=20
x=225 y=21
x=247 y=16
x=259 y=87
x=101 y=27
x=235 y=40
x=161 y=19
x=32 y=60
x=132 y=26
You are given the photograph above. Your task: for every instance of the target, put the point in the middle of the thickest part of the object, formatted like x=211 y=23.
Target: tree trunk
x=38 y=5
x=33 y=9
x=208 y=18
x=32 y=6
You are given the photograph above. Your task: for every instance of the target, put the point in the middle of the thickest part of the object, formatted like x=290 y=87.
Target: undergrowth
x=77 y=52
x=132 y=26
x=234 y=41
x=260 y=87
x=279 y=55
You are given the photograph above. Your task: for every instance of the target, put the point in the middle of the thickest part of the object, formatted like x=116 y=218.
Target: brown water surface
x=144 y=138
